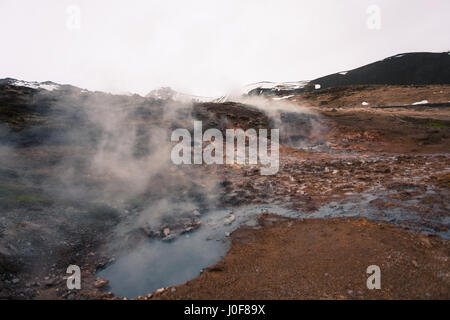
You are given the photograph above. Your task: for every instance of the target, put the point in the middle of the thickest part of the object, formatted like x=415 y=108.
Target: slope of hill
x=265 y=88
x=46 y=85
x=167 y=93
x=417 y=68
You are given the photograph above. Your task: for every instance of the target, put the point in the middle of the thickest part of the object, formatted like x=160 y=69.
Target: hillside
x=417 y=68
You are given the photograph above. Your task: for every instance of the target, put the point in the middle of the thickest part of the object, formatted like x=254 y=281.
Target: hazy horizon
x=208 y=48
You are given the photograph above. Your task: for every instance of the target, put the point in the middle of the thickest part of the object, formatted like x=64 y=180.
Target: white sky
x=208 y=47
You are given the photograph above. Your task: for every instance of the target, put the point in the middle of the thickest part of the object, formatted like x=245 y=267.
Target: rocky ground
x=377 y=176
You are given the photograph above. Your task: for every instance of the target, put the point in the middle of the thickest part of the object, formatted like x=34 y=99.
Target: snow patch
x=264 y=85
x=365 y=103
x=36 y=85
x=420 y=102
x=282 y=98
x=279 y=86
x=167 y=93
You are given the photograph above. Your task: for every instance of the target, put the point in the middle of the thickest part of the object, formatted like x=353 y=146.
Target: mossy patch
x=437 y=125
x=22 y=196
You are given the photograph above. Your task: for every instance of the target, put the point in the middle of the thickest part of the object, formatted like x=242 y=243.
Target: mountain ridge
x=412 y=68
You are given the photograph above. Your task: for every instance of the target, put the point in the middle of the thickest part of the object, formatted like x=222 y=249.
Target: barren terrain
x=370 y=187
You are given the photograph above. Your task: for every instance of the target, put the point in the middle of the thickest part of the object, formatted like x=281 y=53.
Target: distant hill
x=417 y=68
x=167 y=93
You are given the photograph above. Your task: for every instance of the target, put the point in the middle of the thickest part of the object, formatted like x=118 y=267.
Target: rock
x=170 y=237
x=229 y=219
x=188 y=229
x=148 y=232
x=166 y=232
x=426 y=242
x=100 y=283
x=15 y=281
x=173 y=290
x=192 y=226
x=49 y=283
x=345 y=142
x=161 y=290
x=415 y=264
x=196 y=213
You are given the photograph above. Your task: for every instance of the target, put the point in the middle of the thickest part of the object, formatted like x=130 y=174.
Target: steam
x=300 y=127
x=131 y=162
x=101 y=163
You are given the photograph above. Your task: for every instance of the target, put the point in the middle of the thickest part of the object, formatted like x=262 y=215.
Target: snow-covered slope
x=47 y=85
x=167 y=93
x=275 y=88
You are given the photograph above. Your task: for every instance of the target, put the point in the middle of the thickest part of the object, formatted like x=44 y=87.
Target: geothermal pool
x=157 y=263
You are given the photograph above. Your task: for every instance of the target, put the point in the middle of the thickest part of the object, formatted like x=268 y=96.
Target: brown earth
x=323 y=259
x=415 y=129
x=374 y=95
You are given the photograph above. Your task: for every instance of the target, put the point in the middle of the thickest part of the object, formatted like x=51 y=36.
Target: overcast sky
x=208 y=47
